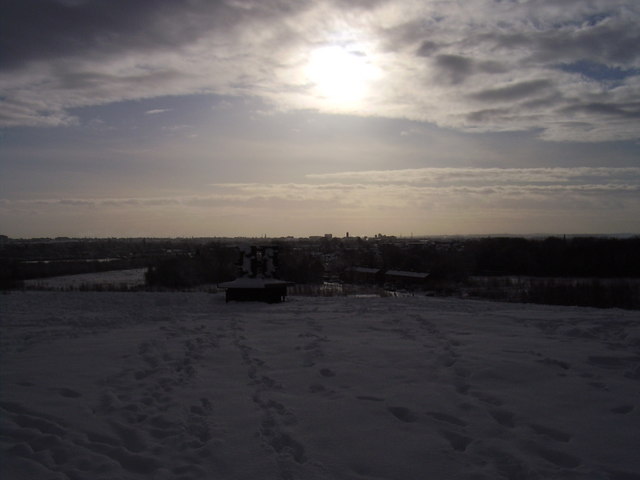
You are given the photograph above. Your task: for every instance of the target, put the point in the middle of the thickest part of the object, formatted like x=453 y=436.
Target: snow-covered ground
x=184 y=386
x=109 y=279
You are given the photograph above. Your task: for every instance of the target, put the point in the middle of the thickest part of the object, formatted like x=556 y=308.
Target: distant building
x=365 y=275
x=388 y=278
x=404 y=279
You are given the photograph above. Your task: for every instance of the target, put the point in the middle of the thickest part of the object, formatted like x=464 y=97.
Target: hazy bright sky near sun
x=299 y=117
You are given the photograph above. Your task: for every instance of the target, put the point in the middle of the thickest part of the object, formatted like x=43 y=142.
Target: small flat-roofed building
x=404 y=279
x=258 y=280
x=268 y=290
x=364 y=275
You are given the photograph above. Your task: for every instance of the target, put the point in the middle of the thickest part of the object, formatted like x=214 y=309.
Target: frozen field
x=183 y=386
x=110 y=279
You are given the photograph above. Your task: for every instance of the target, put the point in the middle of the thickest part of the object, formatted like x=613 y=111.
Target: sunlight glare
x=339 y=75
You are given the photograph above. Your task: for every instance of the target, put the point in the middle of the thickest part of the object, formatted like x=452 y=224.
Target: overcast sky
x=294 y=117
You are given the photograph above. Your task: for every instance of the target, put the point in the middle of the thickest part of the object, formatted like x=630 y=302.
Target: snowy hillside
x=184 y=386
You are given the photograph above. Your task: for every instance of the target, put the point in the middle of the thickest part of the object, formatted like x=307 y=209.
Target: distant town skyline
x=285 y=118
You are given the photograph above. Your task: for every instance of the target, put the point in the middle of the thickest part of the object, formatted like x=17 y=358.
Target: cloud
x=457 y=68
x=436 y=200
x=157 y=111
x=609 y=41
x=510 y=93
x=630 y=111
x=36 y=30
x=490 y=66
x=440 y=177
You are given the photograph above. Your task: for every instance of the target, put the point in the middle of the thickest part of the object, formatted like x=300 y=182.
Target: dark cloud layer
x=510 y=93
x=567 y=69
x=35 y=30
x=48 y=30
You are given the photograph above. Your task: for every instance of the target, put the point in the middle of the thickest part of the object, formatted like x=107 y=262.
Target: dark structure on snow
x=387 y=278
x=403 y=279
x=364 y=275
x=258 y=280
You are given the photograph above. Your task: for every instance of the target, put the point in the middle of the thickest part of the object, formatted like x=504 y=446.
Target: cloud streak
x=490 y=66
x=516 y=177
x=462 y=200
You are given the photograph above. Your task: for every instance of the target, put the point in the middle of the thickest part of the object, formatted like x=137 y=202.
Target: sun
x=340 y=75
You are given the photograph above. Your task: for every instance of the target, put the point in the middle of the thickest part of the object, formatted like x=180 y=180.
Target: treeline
x=591 y=293
x=444 y=261
x=40 y=258
x=83 y=249
x=452 y=264
x=557 y=257
x=299 y=265
x=210 y=263
x=551 y=257
x=216 y=263
x=13 y=273
x=170 y=263
x=586 y=292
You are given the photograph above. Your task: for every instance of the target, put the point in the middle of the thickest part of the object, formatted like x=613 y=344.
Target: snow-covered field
x=109 y=279
x=184 y=386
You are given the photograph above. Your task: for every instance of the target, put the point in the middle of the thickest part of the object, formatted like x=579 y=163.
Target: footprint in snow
x=558 y=458
x=444 y=417
x=68 y=393
x=555 y=363
x=370 y=398
x=457 y=441
x=270 y=383
x=486 y=398
x=503 y=417
x=622 y=409
x=552 y=433
x=447 y=359
x=463 y=388
x=403 y=414
x=203 y=409
x=610 y=362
